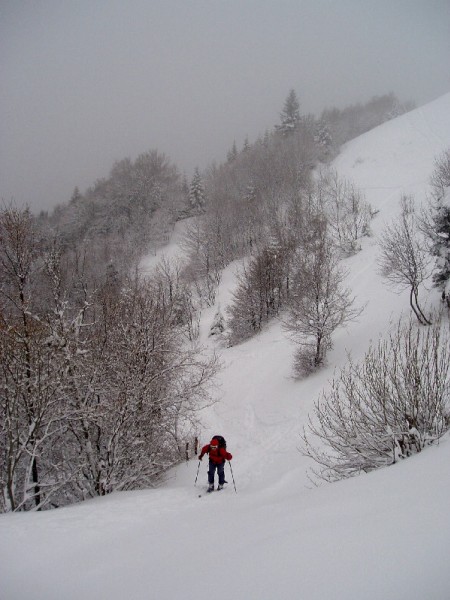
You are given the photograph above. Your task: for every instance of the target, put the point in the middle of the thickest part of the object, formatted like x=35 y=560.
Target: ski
x=208 y=491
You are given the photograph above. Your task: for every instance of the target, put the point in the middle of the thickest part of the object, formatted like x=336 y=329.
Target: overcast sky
x=88 y=82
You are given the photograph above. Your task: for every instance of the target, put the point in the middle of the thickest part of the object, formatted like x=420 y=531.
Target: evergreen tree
x=185 y=186
x=197 y=193
x=441 y=240
x=76 y=196
x=323 y=138
x=290 y=115
x=233 y=153
x=438 y=219
x=218 y=324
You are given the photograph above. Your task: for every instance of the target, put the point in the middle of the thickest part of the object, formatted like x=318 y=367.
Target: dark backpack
x=221 y=440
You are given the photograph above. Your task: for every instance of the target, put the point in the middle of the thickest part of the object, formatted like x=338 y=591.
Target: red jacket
x=217 y=456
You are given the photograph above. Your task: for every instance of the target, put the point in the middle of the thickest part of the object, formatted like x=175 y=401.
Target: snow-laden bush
x=392 y=405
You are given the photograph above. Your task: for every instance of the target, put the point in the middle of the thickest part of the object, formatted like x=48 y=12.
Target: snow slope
x=375 y=537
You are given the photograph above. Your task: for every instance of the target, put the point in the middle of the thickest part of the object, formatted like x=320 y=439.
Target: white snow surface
x=380 y=536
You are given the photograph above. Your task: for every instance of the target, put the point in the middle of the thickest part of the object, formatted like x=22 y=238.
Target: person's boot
x=220 y=486
x=211 y=487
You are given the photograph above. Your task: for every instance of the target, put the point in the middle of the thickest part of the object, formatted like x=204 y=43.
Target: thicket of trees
x=246 y=196
x=262 y=291
x=99 y=386
x=123 y=216
x=299 y=269
x=261 y=202
x=351 y=121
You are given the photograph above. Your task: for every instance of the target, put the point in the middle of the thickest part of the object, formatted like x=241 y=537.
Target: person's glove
x=200 y=457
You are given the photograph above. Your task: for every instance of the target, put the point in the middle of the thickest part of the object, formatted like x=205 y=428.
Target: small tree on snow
x=404 y=260
x=347 y=211
x=318 y=304
x=218 y=324
x=440 y=178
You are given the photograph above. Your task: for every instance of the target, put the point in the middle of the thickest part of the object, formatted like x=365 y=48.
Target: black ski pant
x=220 y=472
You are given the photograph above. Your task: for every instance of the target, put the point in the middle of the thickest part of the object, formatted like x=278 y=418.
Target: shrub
x=392 y=405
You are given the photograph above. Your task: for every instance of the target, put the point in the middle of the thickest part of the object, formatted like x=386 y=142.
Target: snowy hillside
x=375 y=537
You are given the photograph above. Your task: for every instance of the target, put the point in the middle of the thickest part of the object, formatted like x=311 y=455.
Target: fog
x=89 y=82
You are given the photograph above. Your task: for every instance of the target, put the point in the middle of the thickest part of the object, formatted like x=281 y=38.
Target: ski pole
x=198 y=469
x=231 y=469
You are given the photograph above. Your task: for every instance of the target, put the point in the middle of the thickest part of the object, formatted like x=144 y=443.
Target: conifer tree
x=323 y=138
x=438 y=226
x=233 y=153
x=441 y=247
x=76 y=196
x=218 y=324
x=290 y=115
x=197 y=193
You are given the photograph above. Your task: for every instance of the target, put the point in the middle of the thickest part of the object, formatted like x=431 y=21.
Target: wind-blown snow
x=375 y=537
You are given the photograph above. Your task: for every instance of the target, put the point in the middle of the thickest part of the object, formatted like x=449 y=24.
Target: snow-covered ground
x=375 y=537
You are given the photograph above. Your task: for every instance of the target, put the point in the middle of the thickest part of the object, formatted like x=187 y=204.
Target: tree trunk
x=37 y=489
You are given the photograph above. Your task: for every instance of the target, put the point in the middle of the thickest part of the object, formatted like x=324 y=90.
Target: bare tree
x=404 y=260
x=347 y=211
x=318 y=303
x=203 y=244
x=147 y=400
x=97 y=388
x=36 y=331
x=440 y=178
x=169 y=278
x=393 y=404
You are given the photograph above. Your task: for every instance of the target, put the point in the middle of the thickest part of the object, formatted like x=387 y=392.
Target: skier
x=217 y=456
